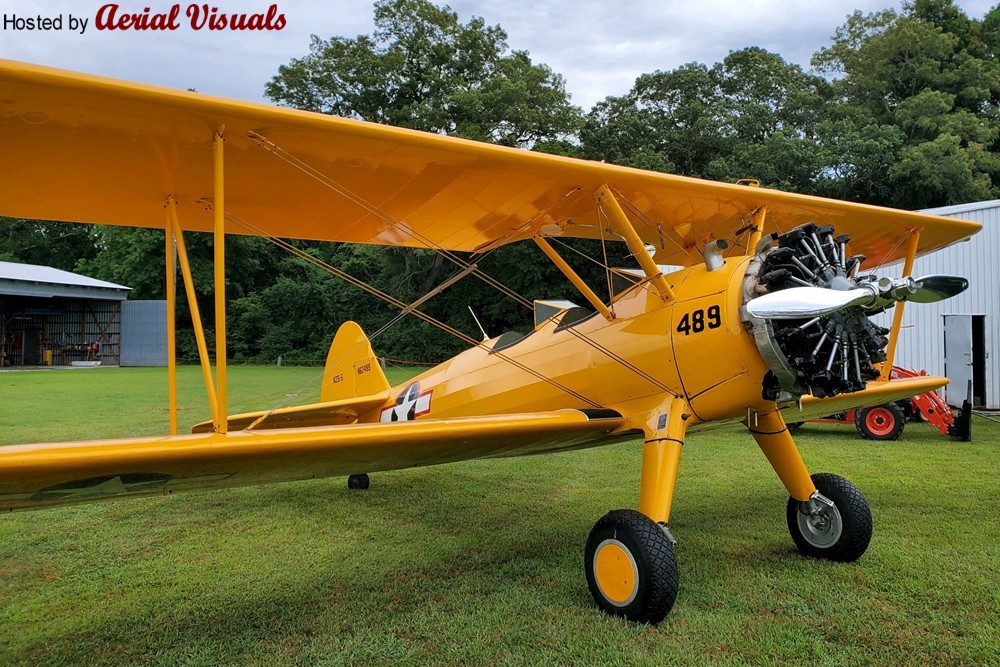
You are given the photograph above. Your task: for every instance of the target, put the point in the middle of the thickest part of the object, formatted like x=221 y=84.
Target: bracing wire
x=385 y=327
x=644 y=219
x=314 y=173
x=604 y=250
x=401 y=226
x=343 y=275
x=885 y=257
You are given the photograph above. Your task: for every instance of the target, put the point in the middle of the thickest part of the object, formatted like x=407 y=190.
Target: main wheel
x=880 y=422
x=360 y=482
x=841 y=532
x=630 y=566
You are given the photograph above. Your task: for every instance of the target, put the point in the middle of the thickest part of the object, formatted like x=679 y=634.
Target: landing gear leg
x=827 y=516
x=629 y=559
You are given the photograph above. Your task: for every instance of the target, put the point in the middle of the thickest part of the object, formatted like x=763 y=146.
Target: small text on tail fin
x=352 y=369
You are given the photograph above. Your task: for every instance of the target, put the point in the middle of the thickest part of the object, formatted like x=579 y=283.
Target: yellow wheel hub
x=616 y=573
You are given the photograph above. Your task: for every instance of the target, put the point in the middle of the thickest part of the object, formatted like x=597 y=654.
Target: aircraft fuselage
x=694 y=346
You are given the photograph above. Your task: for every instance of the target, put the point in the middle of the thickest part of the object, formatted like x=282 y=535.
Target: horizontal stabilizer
x=353 y=384
x=330 y=413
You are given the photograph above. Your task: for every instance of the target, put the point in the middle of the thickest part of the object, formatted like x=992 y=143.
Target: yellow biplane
x=767 y=317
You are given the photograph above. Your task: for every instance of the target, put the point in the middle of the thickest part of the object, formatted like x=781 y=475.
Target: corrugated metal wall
x=921 y=341
x=144 y=333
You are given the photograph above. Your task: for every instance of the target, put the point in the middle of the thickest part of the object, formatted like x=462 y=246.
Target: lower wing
x=877 y=392
x=41 y=475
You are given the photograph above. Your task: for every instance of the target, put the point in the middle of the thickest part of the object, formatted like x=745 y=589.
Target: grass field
x=481 y=562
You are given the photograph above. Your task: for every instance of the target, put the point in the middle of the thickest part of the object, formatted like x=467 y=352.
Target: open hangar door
x=965 y=356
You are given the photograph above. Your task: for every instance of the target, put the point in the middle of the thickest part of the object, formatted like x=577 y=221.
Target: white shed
x=956 y=337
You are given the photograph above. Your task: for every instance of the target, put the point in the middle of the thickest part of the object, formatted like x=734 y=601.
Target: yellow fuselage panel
x=714 y=362
x=719 y=364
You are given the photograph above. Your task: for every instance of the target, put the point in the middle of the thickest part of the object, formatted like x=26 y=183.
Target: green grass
x=481 y=562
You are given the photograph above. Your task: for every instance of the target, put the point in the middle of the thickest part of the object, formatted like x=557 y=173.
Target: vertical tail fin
x=352 y=369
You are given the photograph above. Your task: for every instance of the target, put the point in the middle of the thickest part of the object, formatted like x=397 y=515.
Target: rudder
x=352 y=369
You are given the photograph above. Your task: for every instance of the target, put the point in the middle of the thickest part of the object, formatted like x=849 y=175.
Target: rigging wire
x=502 y=240
x=279 y=152
x=400 y=225
x=644 y=219
x=343 y=275
x=385 y=327
x=885 y=257
x=604 y=249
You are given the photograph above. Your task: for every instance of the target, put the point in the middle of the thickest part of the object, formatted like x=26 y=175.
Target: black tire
x=852 y=513
x=880 y=422
x=650 y=552
x=794 y=426
x=359 y=482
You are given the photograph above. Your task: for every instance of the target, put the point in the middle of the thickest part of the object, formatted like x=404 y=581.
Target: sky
x=598 y=46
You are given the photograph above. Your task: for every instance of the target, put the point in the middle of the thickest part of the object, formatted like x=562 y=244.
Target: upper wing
x=90 y=149
x=63 y=473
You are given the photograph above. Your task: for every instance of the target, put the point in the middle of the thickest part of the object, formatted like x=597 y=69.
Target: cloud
x=599 y=47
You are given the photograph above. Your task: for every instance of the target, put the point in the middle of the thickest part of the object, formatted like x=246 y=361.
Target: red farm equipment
x=886 y=421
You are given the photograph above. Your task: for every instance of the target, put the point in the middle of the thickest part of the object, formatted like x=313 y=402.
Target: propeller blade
x=938 y=288
x=807 y=302
x=803 y=302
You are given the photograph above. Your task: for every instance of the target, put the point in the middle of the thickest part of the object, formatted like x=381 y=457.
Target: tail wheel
x=839 y=529
x=880 y=422
x=630 y=566
x=359 y=482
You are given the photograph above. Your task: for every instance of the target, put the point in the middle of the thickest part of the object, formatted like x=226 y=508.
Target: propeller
x=809 y=310
x=805 y=302
x=802 y=302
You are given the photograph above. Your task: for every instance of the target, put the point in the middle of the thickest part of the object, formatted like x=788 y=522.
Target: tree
x=772 y=109
x=423 y=69
x=134 y=257
x=991 y=34
x=918 y=94
x=752 y=115
x=56 y=244
x=669 y=121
